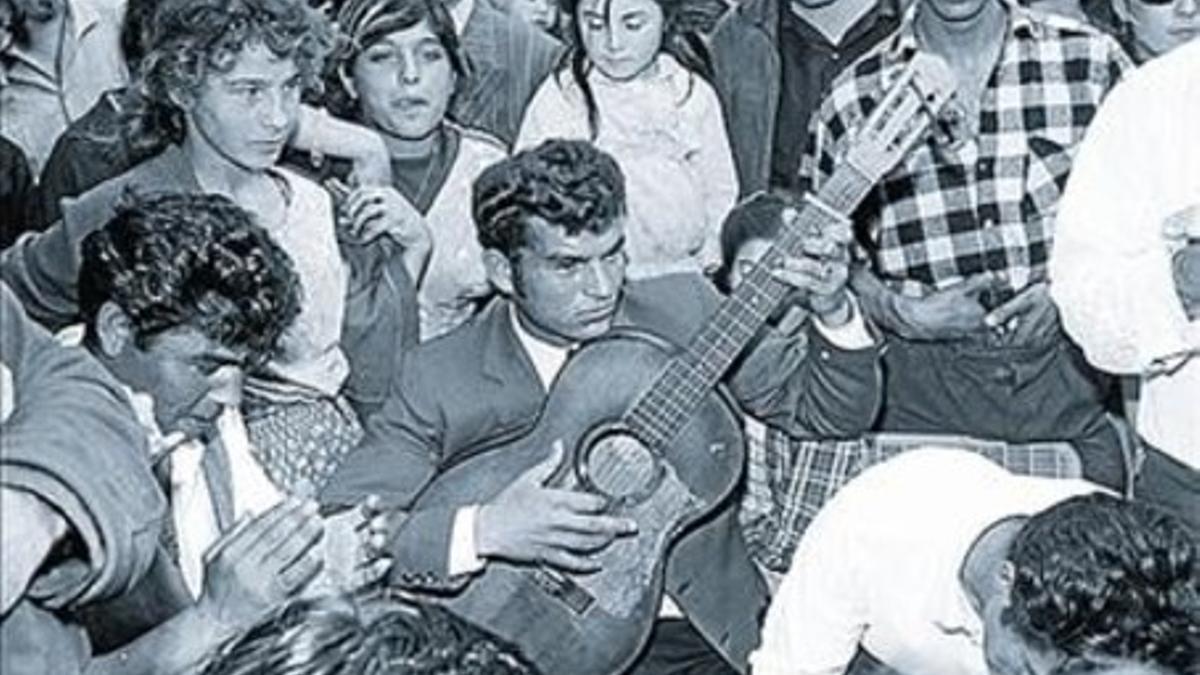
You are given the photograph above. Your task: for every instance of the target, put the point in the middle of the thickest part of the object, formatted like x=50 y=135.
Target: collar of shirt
x=547 y=359
x=905 y=43
x=669 y=74
x=791 y=24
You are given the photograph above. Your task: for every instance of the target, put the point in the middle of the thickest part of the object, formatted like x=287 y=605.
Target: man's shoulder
x=673 y=306
x=457 y=352
x=162 y=172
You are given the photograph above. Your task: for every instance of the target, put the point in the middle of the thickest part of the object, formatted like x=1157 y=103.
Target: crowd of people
x=319 y=318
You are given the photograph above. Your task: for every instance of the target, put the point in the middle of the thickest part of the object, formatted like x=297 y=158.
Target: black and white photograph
x=599 y=337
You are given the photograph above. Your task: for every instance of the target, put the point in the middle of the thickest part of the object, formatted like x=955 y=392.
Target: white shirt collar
x=547 y=359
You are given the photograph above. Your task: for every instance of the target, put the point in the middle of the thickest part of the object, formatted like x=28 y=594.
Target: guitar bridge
x=564 y=589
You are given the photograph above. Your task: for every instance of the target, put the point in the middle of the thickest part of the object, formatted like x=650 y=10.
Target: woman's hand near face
x=370 y=211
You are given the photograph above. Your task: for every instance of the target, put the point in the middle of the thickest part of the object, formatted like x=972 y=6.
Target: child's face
x=746 y=258
x=404 y=81
x=622 y=37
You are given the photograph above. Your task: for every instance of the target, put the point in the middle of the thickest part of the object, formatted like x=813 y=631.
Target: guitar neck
x=668 y=404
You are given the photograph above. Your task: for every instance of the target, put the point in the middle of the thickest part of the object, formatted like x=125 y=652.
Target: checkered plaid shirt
x=965 y=203
x=788 y=479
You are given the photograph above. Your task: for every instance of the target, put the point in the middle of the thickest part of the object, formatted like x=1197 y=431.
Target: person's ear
x=181 y=98
x=499 y=270
x=1006 y=577
x=114 y=330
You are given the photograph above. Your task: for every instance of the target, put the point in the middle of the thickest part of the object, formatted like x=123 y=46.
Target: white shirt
x=879 y=567
x=666 y=131
x=1133 y=198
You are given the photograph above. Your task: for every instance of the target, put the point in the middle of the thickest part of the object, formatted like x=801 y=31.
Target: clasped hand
x=530 y=522
x=267 y=559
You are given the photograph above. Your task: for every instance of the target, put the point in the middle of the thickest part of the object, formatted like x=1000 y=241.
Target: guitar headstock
x=902 y=117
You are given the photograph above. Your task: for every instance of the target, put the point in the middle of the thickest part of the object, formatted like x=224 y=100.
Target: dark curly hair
x=362 y=23
x=569 y=184
x=348 y=635
x=1100 y=576
x=170 y=260
x=193 y=38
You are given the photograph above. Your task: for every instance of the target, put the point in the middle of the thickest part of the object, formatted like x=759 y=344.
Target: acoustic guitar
x=646 y=425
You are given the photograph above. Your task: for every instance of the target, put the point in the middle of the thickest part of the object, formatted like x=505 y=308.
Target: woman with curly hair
x=396 y=69
x=221 y=82
x=635 y=83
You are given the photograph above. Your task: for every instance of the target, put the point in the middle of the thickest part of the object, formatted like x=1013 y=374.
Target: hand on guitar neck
x=820 y=275
x=529 y=522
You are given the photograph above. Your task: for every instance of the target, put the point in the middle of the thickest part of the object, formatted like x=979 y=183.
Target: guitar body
x=597 y=623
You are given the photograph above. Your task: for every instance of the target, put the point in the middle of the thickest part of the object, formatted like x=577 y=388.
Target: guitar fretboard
x=662 y=411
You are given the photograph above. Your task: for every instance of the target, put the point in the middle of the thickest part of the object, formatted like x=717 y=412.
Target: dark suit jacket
x=477 y=384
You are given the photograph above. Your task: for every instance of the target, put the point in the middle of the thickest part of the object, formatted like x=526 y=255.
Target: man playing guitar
x=550 y=222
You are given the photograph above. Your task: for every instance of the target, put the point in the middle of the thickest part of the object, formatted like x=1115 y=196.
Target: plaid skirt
x=299 y=444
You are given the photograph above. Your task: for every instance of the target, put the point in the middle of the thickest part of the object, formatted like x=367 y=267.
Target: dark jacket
x=748 y=79
x=380 y=321
x=477 y=384
x=508 y=59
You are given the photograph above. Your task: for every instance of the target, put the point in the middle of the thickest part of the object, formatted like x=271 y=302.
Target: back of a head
x=171 y=260
x=1101 y=577
x=378 y=636
x=568 y=184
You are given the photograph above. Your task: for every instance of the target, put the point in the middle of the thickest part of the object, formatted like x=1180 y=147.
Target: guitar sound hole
x=620 y=467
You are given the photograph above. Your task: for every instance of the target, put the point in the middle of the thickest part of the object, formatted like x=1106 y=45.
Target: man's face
x=189 y=375
x=957 y=11
x=404 y=81
x=247 y=113
x=566 y=288
x=1162 y=26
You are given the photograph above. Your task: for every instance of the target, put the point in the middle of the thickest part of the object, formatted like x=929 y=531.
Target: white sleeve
x=464 y=556
x=819 y=614
x=1110 y=269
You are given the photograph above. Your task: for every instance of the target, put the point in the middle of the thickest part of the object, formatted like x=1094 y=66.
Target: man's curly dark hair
x=1100 y=576
x=568 y=184
x=348 y=635
x=170 y=260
